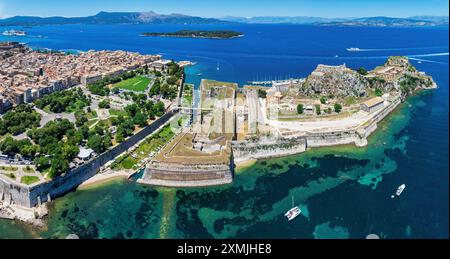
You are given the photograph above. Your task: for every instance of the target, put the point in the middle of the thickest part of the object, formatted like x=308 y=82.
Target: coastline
x=245 y=163
x=102 y=178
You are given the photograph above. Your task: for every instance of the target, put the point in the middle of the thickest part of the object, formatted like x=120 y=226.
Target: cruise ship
x=14 y=33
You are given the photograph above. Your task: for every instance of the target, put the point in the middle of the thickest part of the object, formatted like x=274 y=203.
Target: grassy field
x=115 y=112
x=8 y=168
x=138 y=83
x=29 y=179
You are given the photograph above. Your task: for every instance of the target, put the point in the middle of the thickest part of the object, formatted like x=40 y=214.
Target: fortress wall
x=177 y=175
x=246 y=150
x=331 y=138
x=29 y=196
x=281 y=147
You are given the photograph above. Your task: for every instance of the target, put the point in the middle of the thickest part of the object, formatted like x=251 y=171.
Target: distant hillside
x=389 y=21
x=111 y=18
x=155 y=18
x=366 y=21
x=282 y=19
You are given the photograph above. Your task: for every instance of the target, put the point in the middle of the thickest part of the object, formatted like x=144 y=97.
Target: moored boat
x=293 y=212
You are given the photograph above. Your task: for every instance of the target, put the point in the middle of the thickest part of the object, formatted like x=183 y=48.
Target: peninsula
x=197 y=34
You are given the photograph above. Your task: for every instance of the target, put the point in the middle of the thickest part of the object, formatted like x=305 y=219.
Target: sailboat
x=218 y=67
x=293 y=212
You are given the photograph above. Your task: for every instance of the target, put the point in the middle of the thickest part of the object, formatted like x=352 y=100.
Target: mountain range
x=365 y=21
x=111 y=18
x=155 y=18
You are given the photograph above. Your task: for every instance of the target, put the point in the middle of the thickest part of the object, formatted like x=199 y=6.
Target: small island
x=197 y=34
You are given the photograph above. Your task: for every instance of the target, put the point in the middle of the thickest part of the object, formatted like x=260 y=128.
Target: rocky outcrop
x=338 y=81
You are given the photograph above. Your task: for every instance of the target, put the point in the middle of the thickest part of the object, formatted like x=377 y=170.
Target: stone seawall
x=179 y=175
x=30 y=196
x=243 y=151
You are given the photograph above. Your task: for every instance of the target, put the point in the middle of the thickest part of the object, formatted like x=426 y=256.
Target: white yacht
x=293 y=212
x=399 y=190
x=14 y=33
x=353 y=49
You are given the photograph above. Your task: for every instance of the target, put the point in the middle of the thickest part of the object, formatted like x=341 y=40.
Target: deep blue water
x=265 y=52
x=410 y=147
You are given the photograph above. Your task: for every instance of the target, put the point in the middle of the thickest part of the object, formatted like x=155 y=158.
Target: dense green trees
x=168 y=91
x=317 y=109
x=95 y=142
x=104 y=104
x=175 y=70
x=362 y=71
x=155 y=88
x=81 y=118
x=57 y=143
x=58 y=166
x=378 y=92
x=300 y=108
x=221 y=34
x=171 y=80
x=408 y=84
x=18 y=120
x=139 y=98
x=140 y=119
x=10 y=146
x=262 y=93
x=64 y=101
x=337 y=107
x=99 y=89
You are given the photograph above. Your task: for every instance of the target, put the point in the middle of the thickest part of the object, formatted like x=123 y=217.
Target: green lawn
x=8 y=168
x=29 y=179
x=116 y=112
x=91 y=115
x=138 y=83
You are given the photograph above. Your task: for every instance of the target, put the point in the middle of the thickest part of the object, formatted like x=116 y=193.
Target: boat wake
x=394 y=49
x=429 y=55
x=426 y=60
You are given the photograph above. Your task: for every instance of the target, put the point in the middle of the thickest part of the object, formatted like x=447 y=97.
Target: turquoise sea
x=344 y=192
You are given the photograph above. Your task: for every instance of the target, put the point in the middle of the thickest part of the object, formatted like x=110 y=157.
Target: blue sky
x=220 y=8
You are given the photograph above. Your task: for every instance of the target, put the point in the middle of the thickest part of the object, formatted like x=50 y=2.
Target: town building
x=373 y=104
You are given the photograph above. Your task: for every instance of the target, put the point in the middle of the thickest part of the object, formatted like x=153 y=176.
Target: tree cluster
x=64 y=101
x=19 y=119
